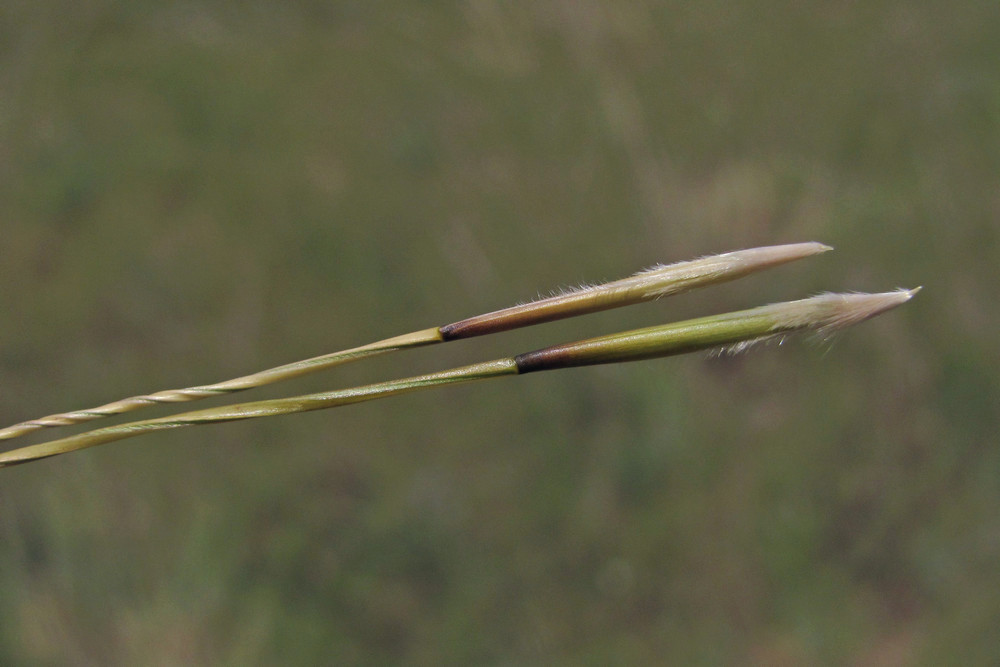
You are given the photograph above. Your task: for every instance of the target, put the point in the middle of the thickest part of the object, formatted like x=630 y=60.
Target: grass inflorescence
x=821 y=314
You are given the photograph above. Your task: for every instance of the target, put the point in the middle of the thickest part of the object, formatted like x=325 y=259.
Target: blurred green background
x=192 y=191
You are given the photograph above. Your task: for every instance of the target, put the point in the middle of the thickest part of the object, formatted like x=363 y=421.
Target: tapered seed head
x=646 y=285
x=822 y=314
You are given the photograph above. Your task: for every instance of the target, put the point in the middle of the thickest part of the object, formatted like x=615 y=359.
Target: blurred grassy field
x=197 y=190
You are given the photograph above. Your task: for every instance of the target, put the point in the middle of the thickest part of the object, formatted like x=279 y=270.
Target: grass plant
x=822 y=314
x=646 y=285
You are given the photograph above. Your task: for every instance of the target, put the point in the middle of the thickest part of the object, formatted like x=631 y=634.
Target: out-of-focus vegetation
x=192 y=191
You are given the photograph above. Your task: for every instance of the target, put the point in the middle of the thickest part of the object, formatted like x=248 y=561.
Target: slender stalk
x=643 y=286
x=822 y=314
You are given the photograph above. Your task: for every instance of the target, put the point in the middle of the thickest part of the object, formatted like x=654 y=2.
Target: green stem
x=269 y=408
